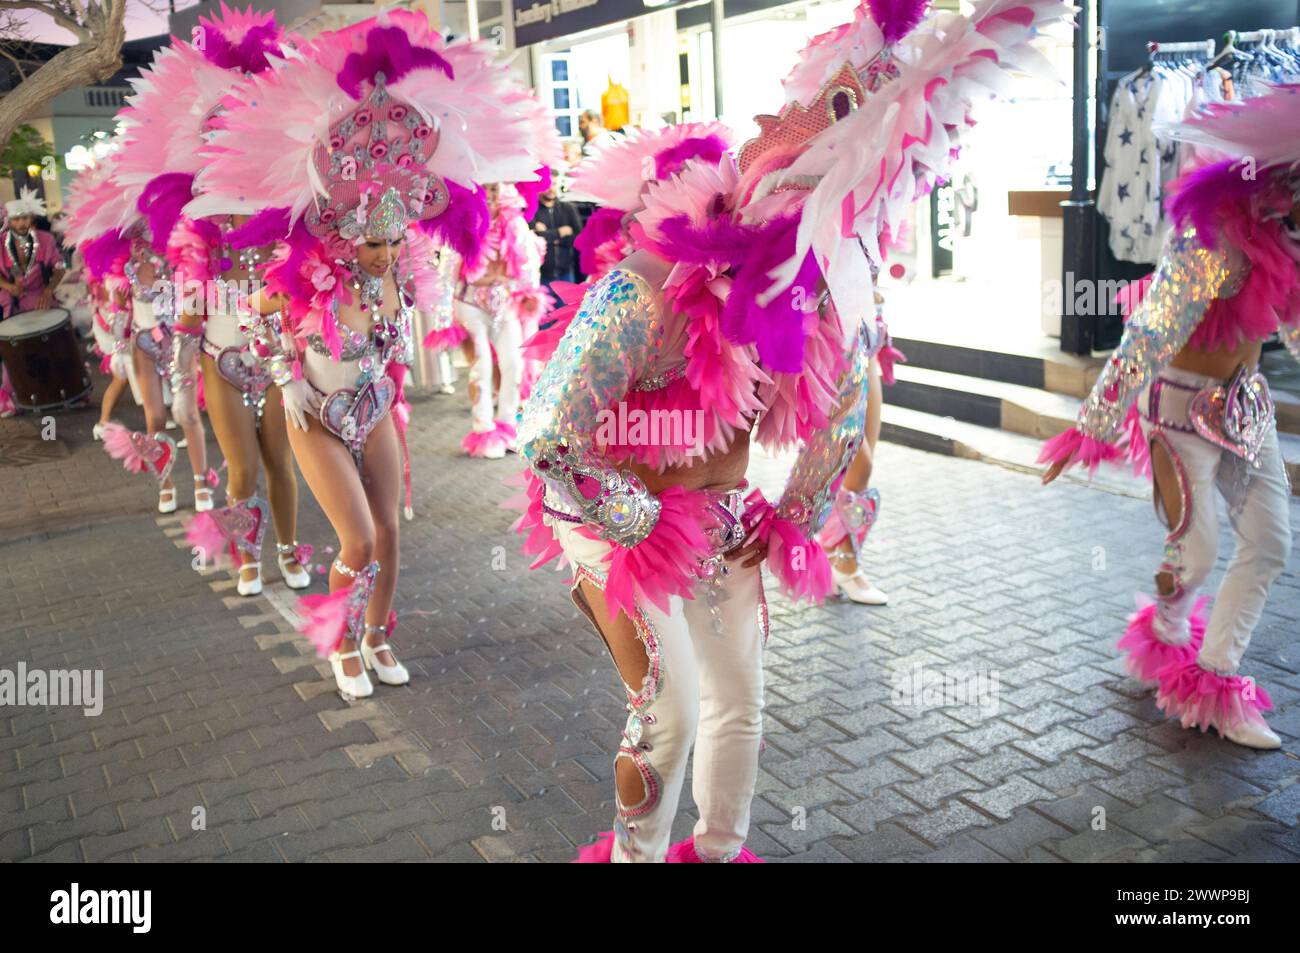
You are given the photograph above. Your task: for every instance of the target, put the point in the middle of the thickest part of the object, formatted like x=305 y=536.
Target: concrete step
x=939 y=434
x=1014 y=407
x=1042 y=366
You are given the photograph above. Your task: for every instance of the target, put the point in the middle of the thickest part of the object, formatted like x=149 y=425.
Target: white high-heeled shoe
x=250 y=587
x=204 y=503
x=855 y=586
x=167 y=500
x=1253 y=734
x=355 y=686
x=300 y=579
x=388 y=674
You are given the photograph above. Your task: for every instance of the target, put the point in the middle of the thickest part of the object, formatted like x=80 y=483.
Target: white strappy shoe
x=300 y=579
x=388 y=674
x=355 y=686
x=167 y=500
x=204 y=503
x=854 y=586
x=250 y=587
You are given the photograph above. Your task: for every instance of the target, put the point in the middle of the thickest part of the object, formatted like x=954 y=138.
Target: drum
x=46 y=367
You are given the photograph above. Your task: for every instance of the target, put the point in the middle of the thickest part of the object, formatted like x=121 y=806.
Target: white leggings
x=704 y=685
x=502 y=332
x=1258 y=511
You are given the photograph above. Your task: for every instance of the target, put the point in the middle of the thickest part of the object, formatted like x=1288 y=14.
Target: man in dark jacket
x=559 y=223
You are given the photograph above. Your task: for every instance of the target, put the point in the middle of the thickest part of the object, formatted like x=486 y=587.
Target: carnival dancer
x=30 y=270
x=1183 y=398
x=745 y=306
x=403 y=126
x=177 y=101
x=498 y=302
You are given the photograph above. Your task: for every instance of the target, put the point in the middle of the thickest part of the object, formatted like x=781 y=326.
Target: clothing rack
x=1206 y=47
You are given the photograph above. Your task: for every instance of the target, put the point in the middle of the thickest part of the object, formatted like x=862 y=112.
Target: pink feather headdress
x=174 y=103
x=372 y=129
x=872 y=121
x=616 y=175
x=1265 y=129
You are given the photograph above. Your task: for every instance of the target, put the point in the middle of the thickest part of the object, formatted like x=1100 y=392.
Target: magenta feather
x=530 y=191
x=897 y=18
x=711 y=148
x=1203 y=195
x=463 y=225
x=265 y=228
x=388 y=50
x=161 y=203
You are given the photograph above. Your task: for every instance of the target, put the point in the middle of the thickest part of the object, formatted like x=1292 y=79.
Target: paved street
x=500 y=749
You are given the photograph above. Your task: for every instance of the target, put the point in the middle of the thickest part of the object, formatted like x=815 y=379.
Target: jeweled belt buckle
x=1235 y=416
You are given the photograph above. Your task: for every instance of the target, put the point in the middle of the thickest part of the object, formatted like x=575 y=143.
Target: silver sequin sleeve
x=807 y=498
x=1186 y=283
x=610 y=340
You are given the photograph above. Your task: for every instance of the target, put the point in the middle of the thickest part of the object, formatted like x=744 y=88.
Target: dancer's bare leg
x=331 y=475
x=112 y=394
x=151 y=393
x=281 y=482
x=382 y=482
x=237 y=436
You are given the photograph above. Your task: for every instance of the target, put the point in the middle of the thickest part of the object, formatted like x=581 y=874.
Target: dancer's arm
x=806 y=500
x=608 y=341
x=1186 y=283
x=275 y=351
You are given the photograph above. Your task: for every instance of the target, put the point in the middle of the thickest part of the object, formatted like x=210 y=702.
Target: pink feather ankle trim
x=323 y=619
x=1148 y=655
x=664 y=563
x=599 y=852
x=1198 y=698
x=119 y=445
x=444 y=339
x=683 y=852
x=1073 y=447
x=203 y=533
x=799 y=564
x=478 y=444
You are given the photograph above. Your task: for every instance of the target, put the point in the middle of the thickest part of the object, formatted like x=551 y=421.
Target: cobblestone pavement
x=500 y=749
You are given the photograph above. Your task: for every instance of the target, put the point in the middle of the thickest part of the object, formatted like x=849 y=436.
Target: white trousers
x=501 y=331
x=704 y=686
x=1258 y=512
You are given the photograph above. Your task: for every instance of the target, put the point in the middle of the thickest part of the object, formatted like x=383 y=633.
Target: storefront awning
x=538 y=20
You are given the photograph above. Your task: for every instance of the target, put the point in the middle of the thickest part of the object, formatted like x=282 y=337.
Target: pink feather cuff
x=1198 y=698
x=663 y=564
x=477 y=444
x=1073 y=447
x=799 y=564
x=539 y=538
x=445 y=339
x=1149 y=656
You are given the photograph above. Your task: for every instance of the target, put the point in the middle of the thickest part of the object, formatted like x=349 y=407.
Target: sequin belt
x=490 y=298
x=156 y=342
x=722 y=521
x=240 y=370
x=1236 y=414
x=352 y=413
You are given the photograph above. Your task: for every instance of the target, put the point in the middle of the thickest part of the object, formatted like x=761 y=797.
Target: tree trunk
x=82 y=65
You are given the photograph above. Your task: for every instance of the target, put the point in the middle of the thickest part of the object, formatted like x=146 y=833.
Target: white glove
x=299 y=400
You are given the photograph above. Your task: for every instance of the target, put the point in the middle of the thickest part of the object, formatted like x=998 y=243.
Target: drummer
x=30 y=269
